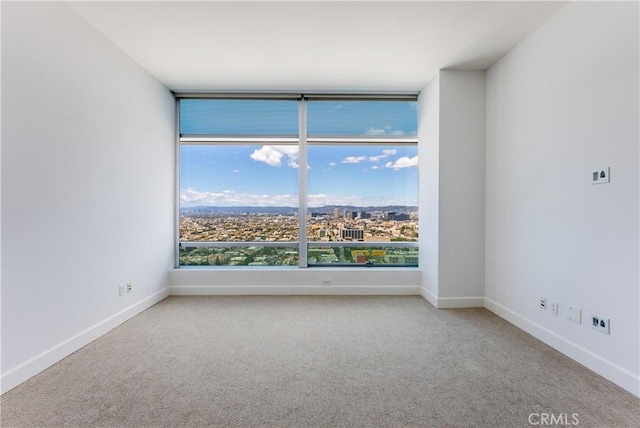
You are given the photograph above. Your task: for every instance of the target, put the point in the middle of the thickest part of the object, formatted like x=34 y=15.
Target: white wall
x=0 y=204
x=429 y=185
x=87 y=186
x=562 y=102
x=452 y=146
x=342 y=281
x=462 y=150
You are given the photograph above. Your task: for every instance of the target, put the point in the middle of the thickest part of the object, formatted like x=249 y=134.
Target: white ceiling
x=312 y=46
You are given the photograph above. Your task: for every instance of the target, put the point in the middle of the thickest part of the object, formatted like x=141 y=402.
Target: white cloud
x=385 y=130
x=403 y=162
x=229 y=198
x=332 y=164
x=385 y=154
x=354 y=159
x=236 y=171
x=375 y=167
x=375 y=131
x=274 y=155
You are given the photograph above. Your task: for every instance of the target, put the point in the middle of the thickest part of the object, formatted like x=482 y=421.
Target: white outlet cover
x=600 y=324
x=553 y=307
x=543 y=303
x=600 y=176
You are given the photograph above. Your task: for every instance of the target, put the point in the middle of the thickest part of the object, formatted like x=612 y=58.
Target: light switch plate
x=574 y=314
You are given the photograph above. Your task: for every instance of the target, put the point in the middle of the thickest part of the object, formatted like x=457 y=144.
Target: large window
x=245 y=200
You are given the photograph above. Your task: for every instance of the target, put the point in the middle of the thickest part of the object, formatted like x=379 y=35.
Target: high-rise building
x=352 y=234
x=336 y=213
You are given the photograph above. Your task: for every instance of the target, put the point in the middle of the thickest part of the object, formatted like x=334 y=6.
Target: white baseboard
x=460 y=302
x=452 y=302
x=605 y=368
x=35 y=365
x=429 y=296
x=268 y=290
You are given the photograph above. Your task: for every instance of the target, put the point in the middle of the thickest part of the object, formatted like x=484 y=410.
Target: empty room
x=320 y=214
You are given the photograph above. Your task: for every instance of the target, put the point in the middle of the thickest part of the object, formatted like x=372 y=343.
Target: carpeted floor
x=316 y=362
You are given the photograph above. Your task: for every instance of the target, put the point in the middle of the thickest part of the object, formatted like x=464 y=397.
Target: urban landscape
x=382 y=227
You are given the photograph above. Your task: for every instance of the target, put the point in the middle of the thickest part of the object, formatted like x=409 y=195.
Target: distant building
x=328 y=258
x=336 y=213
x=409 y=258
x=352 y=234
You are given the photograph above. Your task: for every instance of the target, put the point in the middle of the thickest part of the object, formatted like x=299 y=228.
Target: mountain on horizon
x=210 y=209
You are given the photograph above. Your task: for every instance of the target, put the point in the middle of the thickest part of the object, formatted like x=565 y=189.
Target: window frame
x=302 y=140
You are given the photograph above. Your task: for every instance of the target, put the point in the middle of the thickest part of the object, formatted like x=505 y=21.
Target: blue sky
x=267 y=175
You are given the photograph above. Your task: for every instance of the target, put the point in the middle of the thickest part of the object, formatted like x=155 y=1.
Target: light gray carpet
x=315 y=362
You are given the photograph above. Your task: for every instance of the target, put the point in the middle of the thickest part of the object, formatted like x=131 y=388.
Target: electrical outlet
x=121 y=290
x=599 y=176
x=129 y=287
x=326 y=282
x=543 y=303
x=599 y=323
x=553 y=307
x=574 y=314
